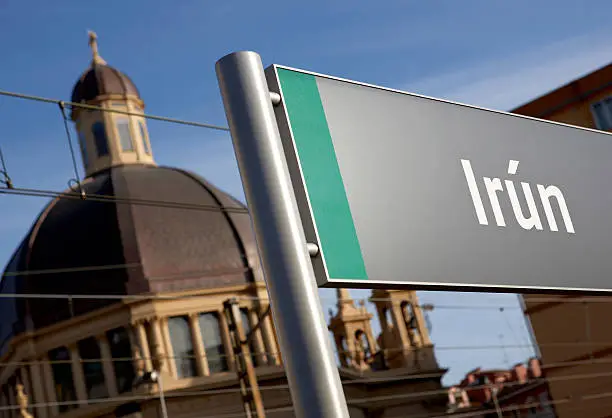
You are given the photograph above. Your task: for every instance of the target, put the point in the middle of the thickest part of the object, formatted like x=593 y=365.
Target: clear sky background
x=495 y=54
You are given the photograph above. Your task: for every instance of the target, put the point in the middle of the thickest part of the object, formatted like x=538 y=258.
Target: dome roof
x=131 y=245
x=101 y=79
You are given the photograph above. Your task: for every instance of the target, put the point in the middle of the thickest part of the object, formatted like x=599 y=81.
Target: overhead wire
x=270 y=354
x=157 y=296
x=578 y=299
x=112 y=110
x=517 y=336
x=6 y=179
x=352 y=402
x=62 y=108
x=116 y=199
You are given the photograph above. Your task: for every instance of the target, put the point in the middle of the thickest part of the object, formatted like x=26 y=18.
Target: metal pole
x=308 y=358
x=244 y=359
x=162 y=396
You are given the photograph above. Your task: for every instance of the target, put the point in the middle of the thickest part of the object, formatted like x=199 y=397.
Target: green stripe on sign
x=324 y=185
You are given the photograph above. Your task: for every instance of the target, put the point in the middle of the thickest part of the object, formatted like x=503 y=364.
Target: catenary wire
x=174 y=297
x=178 y=205
x=112 y=110
x=285 y=386
x=114 y=199
x=259 y=354
x=516 y=335
x=75 y=169
x=352 y=402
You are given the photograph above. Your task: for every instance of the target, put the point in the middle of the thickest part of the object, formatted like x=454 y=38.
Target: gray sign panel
x=403 y=190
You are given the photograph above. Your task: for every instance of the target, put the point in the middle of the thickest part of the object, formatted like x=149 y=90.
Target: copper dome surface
x=100 y=80
x=128 y=246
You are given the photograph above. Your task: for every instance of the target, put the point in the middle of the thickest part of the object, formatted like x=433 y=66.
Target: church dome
x=164 y=230
x=102 y=80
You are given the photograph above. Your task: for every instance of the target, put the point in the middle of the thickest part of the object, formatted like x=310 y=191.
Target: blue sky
x=488 y=53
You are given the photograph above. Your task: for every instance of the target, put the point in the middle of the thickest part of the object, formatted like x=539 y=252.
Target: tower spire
x=93 y=44
x=109 y=139
x=352 y=332
x=344 y=298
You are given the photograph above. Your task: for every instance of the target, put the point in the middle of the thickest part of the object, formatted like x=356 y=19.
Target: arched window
x=411 y=322
x=125 y=137
x=182 y=344
x=143 y=136
x=213 y=342
x=361 y=339
x=344 y=347
x=62 y=377
x=409 y=317
x=83 y=145
x=99 y=133
x=89 y=352
x=120 y=348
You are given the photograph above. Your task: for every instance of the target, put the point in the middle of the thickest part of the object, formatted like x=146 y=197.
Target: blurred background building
x=521 y=391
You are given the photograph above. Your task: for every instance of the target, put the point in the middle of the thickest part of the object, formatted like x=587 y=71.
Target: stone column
x=143 y=344
x=24 y=376
x=198 y=345
x=421 y=324
x=399 y=323
x=158 y=339
x=107 y=366
x=260 y=354
x=165 y=335
x=137 y=360
x=370 y=337
x=227 y=341
x=269 y=339
x=37 y=388
x=49 y=385
x=77 y=374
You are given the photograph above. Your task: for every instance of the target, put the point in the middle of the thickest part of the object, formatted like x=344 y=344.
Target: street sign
x=401 y=190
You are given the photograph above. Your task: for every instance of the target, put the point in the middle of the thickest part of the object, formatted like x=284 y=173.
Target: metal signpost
x=308 y=357
x=401 y=190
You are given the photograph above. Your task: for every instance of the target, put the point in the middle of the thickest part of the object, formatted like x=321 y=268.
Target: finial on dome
x=93 y=44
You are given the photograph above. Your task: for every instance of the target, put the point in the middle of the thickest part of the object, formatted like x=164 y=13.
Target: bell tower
x=352 y=333
x=404 y=337
x=115 y=137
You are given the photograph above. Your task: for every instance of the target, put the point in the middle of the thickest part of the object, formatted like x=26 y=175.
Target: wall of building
x=580 y=114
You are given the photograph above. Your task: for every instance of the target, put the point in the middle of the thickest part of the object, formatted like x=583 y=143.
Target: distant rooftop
x=577 y=90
